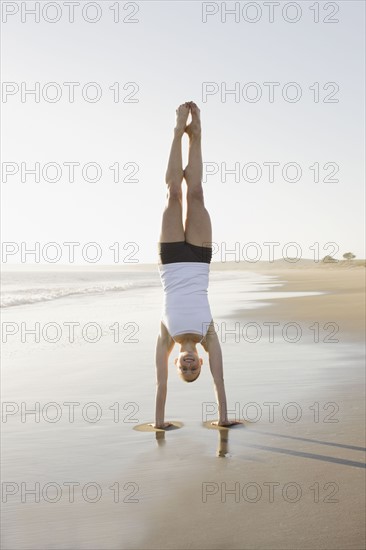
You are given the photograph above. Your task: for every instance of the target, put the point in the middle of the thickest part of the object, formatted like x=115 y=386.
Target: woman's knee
x=174 y=193
x=195 y=193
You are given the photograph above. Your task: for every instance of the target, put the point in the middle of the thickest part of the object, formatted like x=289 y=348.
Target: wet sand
x=343 y=303
x=292 y=476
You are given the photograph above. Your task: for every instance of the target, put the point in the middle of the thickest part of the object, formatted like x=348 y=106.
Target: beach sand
x=343 y=304
x=292 y=476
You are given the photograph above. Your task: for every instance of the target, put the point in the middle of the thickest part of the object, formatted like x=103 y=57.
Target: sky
x=158 y=55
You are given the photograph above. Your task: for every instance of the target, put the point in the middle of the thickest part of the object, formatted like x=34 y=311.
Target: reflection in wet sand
x=223 y=442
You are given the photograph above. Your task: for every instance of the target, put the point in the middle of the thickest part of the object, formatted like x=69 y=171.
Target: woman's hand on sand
x=161 y=426
x=225 y=423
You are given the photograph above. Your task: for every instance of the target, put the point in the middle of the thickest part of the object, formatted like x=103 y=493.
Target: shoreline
x=343 y=301
x=303 y=263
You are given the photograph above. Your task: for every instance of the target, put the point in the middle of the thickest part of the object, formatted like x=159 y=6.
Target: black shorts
x=181 y=251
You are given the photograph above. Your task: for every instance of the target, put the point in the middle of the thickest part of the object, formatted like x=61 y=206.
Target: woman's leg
x=198 y=229
x=172 y=225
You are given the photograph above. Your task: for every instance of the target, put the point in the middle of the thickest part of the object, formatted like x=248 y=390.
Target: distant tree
x=329 y=260
x=349 y=256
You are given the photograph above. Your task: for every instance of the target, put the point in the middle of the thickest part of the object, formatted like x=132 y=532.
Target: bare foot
x=194 y=128
x=182 y=116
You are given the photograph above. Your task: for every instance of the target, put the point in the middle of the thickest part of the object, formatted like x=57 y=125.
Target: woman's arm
x=164 y=346
x=213 y=348
x=215 y=360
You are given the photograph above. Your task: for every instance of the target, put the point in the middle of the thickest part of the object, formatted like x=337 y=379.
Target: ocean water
x=24 y=288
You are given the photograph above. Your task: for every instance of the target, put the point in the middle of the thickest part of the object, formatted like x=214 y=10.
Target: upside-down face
x=189 y=365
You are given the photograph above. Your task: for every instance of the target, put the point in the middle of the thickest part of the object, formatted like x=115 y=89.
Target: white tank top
x=185 y=308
